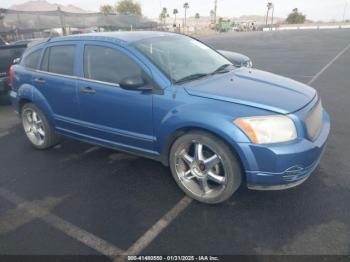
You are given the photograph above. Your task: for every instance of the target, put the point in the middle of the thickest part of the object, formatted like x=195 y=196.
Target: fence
x=26 y=21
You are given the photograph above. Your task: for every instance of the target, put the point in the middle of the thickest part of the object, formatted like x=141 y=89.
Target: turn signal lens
x=248 y=130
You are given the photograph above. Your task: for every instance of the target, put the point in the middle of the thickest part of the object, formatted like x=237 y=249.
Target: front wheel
x=204 y=167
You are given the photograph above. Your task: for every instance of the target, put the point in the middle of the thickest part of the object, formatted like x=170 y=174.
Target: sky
x=314 y=9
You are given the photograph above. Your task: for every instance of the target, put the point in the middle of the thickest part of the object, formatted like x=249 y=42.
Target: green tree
x=296 y=17
x=106 y=9
x=163 y=15
x=128 y=7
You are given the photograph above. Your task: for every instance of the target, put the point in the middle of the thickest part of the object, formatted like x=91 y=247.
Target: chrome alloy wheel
x=33 y=126
x=200 y=170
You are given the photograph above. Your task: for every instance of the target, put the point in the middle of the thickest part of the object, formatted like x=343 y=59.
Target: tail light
x=11 y=76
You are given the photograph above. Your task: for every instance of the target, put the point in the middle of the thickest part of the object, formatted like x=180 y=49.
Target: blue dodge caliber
x=171 y=98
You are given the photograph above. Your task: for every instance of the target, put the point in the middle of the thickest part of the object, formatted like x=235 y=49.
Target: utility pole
x=215 y=10
x=62 y=22
x=345 y=6
x=273 y=10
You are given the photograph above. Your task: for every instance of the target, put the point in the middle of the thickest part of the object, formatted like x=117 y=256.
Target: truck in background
x=8 y=52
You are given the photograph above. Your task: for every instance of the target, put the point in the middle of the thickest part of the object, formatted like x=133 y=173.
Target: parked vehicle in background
x=2 y=42
x=7 y=54
x=27 y=41
x=237 y=59
x=171 y=98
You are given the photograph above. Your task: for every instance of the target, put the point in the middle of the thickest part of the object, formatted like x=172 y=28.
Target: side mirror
x=134 y=83
x=16 y=61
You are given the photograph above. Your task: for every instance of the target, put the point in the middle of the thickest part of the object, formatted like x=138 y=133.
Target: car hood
x=254 y=88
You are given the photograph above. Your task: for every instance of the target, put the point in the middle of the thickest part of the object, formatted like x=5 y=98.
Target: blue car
x=172 y=98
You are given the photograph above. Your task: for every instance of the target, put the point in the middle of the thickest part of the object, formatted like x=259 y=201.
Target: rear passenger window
x=59 y=60
x=108 y=64
x=32 y=60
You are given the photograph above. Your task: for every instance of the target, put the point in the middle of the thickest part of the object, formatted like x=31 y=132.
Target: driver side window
x=108 y=65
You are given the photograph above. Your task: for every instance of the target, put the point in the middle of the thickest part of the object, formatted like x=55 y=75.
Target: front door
x=108 y=112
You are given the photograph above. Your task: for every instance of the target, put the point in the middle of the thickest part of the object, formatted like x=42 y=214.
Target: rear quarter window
x=32 y=60
x=59 y=60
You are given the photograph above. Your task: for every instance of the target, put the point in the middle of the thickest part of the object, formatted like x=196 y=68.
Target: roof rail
x=37 y=42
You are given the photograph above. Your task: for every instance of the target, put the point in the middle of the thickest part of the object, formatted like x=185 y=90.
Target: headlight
x=268 y=129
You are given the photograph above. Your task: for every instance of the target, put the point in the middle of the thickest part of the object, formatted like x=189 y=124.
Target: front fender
x=189 y=117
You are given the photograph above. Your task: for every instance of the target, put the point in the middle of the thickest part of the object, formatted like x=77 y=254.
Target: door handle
x=87 y=90
x=39 y=81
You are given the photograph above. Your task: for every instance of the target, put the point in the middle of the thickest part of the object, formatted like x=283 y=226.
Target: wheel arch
x=36 y=97
x=22 y=102
x=183 y=130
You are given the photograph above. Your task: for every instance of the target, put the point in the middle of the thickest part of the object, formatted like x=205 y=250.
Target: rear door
x=110 y=113
x=57 y=82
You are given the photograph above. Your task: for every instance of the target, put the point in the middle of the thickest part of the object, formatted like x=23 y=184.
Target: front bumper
x=282 y=166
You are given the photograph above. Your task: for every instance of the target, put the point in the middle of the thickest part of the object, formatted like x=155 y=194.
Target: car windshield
x=182 y=58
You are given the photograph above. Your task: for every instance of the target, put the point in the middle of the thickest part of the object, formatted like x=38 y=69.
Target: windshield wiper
x=222 y=69
x=191 y=78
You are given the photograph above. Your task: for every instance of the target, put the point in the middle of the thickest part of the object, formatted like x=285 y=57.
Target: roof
x=125 y=37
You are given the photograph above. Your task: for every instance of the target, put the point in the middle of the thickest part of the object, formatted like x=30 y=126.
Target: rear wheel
x=37 y=128
x=204 y=167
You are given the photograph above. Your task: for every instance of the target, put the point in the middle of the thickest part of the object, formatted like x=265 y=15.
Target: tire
x=204 y=167
x=37 y=128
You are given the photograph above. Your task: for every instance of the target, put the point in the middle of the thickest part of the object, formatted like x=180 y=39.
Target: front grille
x=313 y=121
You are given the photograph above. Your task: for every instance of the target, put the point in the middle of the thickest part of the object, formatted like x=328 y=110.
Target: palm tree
x=197 y=16
x=186 y=6
x=163 y=15
x=269 y=6
x=273 y=10
x=175 y=12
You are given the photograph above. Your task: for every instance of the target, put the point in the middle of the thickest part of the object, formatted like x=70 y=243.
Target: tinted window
x=32 y=59
x=107 y=64
x=59 y=60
